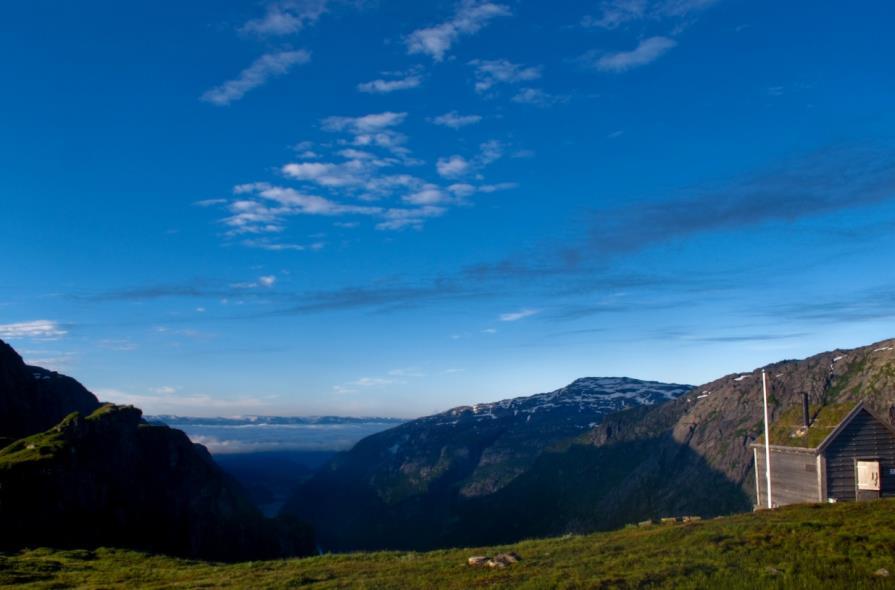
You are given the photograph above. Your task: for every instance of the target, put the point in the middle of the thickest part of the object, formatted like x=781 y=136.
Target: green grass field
x=832 y=546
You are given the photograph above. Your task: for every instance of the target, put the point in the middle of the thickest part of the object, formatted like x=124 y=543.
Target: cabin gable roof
x=847 y=420
x=808 y=442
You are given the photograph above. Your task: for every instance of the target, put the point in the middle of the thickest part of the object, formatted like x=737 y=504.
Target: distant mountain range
x=271 y=420
x=78 y=473
x=405 y=487
x=596 y=455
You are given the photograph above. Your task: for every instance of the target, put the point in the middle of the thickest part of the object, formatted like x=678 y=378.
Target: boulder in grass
x=500 y=560
x=506 y=558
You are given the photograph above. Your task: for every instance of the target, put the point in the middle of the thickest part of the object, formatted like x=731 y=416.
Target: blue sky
x=395 y=207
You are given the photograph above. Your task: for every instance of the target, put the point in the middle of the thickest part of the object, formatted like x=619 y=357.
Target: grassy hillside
x=829 y=546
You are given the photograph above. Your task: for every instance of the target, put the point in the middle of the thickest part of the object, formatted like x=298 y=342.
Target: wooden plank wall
x=793 y=478
x=863 y=438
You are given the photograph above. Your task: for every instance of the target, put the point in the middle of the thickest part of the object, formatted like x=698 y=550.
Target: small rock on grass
x=500 y=560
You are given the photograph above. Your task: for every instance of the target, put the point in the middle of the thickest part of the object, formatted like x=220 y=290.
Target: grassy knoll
x=832 y=546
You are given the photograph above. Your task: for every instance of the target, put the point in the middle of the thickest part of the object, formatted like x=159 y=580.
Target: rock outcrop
x=103 y=476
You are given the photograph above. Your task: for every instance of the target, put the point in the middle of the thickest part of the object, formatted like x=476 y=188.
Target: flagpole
x=767 y=435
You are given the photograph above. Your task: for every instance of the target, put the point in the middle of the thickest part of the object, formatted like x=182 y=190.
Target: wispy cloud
x=267 y=66
x=394 y=82
x=454 y=120
x=285 y=17
x=363 y=383
x=852 y=306
x=456 y=166
x=515 y=316
x=271 y=205
x=646 y=52
x=365 y=124
x=266 y=281
x=275 y=246
x=830 y=180
x=489 y=73
x=393 y=377
x=32 y=330
x=470 y=17
x=537 y=97
x=164 y=389
x=452 y=166
x=614 y=14
x=365 y=172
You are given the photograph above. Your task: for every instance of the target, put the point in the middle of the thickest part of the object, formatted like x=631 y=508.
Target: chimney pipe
x=805 y=417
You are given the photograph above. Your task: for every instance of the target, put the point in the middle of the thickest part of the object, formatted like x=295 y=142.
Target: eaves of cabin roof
x=786 y=449
x=847 y=420
x=831 y=436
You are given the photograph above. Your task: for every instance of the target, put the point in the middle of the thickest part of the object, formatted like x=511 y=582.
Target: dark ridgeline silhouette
x=87 y=474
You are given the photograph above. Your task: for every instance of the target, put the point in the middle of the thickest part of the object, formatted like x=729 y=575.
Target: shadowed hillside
x=411 y=486
x=688 y=455
x=104 y=476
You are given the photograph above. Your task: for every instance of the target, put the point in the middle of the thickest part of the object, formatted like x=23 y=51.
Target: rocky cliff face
x=107 y=477
x=34 y=399
x=406 y=487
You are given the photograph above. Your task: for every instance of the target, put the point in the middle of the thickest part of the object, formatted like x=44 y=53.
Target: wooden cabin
x=844 y=453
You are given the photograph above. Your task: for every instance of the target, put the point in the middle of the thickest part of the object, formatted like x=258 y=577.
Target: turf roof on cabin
x=787 y=429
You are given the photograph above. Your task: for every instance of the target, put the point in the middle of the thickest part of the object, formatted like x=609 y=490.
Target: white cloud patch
x=164 y=389
x=273 y=246
x=267 y=281
x=265 y=215
x=393 y=82
x=364 y=172
x=455 y=120
x=457 y=166
x=32 y=330
x=366 y=124
x=490 y=73
x=285 y=18
x=646 y=52
x=362 y=383
x=470 y=17
x=394 y=377
x=267 y=66
x=515 y=316
x=615 y=14
x=536 y=97
x=452 y=166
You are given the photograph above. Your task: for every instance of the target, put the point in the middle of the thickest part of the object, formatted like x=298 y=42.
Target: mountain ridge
x=687 y=455
x=419 y=471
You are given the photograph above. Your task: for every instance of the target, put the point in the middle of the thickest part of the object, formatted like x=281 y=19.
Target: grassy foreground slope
x=812 y=546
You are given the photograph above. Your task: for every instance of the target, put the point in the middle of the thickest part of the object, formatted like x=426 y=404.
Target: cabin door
x=867 y=480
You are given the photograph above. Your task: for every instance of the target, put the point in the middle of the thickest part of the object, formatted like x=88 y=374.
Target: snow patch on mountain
x=589 y=395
